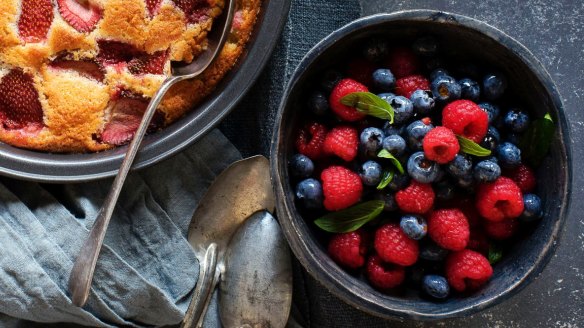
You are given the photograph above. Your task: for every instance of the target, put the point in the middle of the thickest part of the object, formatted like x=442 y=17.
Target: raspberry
x=382 y=275
x=361 y=71
x=467 y=119
x=402 y=62
x=449 y=229
x=343 y=88
x=478 y=242
x=407 y=85
x=501 y=230
x=467 y=270
x=310 y=140
x=341 y=188
x=440 y=145
x=348 y=249
x=342 y=141
x=524 y=177
x=394 y=246
x=416 y=198
x=499 y=199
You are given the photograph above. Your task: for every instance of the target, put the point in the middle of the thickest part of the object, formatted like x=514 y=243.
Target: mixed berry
x=427 y=191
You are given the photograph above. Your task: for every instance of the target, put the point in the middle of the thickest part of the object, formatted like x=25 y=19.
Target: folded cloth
x=146 y=270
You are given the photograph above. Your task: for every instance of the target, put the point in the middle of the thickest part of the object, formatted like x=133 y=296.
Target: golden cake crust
x=77 y=105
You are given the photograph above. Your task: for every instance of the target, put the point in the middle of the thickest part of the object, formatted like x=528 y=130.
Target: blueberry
x=509 y=155
x=430 y=251
x=389 y=200
x=491 y=158
x=469 y=89
x=370 y=173
x=494 y=85
x=492 y=111
x=438 y=73
x=445 y=89
x=436 y=286
x=389 y=129
x=486 y=171
x=460 y=166
x=425 y=46
x=422 y=169
x=516 y=120
x=422 y=102
x=414 y=226
x=318 y=103
x=532 y=208
x=399 y=182
x=309 y=192
x=370 y=141
x=402 y=108
x=394 y=144
x=386 y=96
x=301 y=166
x=376 y=49
x=330 y=79
x=466 y=182
x=383 y=79
x=491 y=139
x=444 y=190
x=415 y=133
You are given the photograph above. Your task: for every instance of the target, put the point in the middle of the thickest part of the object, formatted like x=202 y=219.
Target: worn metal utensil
x=241 y=190
x=84 y=266
x=256 y=288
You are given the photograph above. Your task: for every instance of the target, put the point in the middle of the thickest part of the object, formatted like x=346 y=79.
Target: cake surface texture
x=77 y=75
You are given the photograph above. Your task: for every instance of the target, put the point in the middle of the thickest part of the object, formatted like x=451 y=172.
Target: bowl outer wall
x=64 y=168
x=357 y=293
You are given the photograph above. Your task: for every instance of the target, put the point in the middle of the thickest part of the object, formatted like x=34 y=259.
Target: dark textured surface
x=554 y=32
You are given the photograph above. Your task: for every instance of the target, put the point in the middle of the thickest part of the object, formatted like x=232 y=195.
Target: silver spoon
x=256 y=288
x=84 y=267
x=241 y=190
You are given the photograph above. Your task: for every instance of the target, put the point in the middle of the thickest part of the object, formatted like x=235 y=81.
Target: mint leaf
x=472 y=148
x=385 y=180
x=495 y=254
x=352 y=218
x=385 y=154
x=369 y=104
x=537 y=140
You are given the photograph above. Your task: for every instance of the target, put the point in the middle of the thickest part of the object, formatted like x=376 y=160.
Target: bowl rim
x=308 y=257
x=66 y=168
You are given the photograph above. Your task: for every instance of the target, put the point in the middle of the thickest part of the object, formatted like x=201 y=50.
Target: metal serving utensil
x=84 y=267
x=239 y=191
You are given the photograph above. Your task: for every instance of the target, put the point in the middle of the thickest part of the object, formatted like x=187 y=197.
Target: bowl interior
x=461 y=39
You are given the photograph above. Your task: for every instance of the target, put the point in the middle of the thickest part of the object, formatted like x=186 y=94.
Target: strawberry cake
x=76 y=75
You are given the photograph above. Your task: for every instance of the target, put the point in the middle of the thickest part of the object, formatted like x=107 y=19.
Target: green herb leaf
x=537 y=140
x=385 y=154
x=385 y=180
x=369 y=104
x=472 y=148
x=495 y=254
x=352 y=218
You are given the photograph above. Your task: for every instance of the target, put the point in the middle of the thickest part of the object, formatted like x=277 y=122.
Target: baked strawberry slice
x=148 y=64
x=85 y=67
x=195 y=11
x=20 y=107
x=153 y=6
x=82 y=15
x=35 y=20
x=126 y=111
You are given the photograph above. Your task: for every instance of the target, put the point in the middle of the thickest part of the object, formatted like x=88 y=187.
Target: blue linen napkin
x=146 y=271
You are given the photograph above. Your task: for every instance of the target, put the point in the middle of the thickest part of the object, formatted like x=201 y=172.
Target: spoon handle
x=84 y=267
x=202 y=294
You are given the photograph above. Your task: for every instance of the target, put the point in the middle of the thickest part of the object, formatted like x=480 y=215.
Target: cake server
x=84 y=266
x=241 y=190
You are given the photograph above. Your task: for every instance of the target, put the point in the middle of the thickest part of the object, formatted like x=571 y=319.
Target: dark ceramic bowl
x=464 y=38
x=47 y=167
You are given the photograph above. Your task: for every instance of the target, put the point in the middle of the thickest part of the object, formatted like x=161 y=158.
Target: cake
x=77 y=75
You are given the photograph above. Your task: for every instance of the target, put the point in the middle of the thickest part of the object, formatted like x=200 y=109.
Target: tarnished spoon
x=256 y=289
x=84 y=266
x=241 y=190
